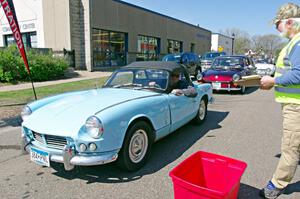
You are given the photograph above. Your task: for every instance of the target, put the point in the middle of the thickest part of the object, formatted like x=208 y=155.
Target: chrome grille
x=55 y=141
x=38 y=137
x=51 y=141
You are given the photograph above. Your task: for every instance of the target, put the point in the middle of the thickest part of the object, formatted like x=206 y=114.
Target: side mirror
x=199 y=76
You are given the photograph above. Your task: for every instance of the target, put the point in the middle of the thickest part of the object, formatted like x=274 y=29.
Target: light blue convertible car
x=118 y=122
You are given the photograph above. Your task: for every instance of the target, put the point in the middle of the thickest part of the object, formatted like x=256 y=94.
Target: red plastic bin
x=206 y=175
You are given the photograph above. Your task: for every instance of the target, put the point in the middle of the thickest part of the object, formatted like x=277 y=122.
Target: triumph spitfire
x=118 y=122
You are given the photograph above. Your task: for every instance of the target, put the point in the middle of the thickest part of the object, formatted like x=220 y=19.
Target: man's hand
x=267 y=82
x=177 y=92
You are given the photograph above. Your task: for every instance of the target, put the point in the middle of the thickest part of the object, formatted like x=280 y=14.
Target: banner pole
x=32 y=87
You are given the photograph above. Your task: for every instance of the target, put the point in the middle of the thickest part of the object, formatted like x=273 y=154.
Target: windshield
x=211 y=55
x=154 y=79
x=175 y=58
x=228 y=63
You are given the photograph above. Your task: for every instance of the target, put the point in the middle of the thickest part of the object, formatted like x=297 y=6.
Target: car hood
x=219 y=75
x=221 y=72
x=66 y=115
x=264 y=66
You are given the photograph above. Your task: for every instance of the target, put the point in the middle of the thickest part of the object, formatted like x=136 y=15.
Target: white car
x=263 y=67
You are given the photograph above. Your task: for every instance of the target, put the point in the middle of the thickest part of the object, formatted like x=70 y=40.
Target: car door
x=186 y=61
x=182 y=109
x=193 y=63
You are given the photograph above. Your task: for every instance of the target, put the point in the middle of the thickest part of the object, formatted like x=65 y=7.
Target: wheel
x=202 y=112
x=243 y=89
x=136 y=147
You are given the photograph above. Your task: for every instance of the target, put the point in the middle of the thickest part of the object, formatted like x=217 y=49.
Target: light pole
x=232 y=36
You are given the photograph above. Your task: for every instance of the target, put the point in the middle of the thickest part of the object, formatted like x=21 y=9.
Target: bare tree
x=242 y=40
x=270 y=44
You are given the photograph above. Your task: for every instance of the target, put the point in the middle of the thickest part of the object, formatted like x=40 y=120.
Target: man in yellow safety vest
x=287 y=92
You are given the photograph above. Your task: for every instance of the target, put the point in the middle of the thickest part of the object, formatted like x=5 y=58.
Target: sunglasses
x=277 y=24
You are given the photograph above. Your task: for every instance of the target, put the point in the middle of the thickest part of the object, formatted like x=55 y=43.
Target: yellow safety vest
x=286 y=94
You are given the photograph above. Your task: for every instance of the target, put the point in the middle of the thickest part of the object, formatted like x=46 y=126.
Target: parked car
x=118 y=122
x=227 y=69
x=207 y=59
x=190 y=60
x=264 y=67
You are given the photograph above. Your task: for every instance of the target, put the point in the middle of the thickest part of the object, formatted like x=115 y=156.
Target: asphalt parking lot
x=246 y=127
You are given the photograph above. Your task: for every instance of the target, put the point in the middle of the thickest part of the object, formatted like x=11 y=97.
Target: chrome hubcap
x=138 y=146
x=202 y=110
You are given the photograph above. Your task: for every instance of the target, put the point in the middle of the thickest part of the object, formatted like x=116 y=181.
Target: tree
x=270 y=44
x=242 y=40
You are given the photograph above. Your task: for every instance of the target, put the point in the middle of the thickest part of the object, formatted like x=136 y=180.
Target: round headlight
x=236 y=77
x=92 y=147
x=269 y=70
x=94 y=127
x=25 y=113
x=199 y=76
x=82 y=147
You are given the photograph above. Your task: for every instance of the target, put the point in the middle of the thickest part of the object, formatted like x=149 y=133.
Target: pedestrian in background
x=287 y=92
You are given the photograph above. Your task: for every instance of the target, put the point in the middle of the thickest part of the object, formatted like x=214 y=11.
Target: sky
x=252 y=16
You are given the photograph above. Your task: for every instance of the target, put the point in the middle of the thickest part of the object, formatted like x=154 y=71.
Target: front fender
x=204 y=89
x=117 y=119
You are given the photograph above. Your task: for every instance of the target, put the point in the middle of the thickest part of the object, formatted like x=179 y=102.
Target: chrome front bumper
x=227 y=89
x=70 y=159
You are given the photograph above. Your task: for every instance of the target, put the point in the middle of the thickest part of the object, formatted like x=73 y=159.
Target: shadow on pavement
x=292 y=188
x=12 y=121
x=248 y=192
x=247 y=92
x=163 y=153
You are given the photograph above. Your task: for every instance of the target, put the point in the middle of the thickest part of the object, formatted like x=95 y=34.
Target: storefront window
x=174 y=46
x=108 y=48
x=148 y=48
x=29 y=40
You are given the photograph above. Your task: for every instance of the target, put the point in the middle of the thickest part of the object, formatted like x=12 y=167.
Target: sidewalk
x=81 y=75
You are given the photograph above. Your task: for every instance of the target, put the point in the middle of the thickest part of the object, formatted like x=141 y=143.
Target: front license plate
x=216 y=85
x=40 y=157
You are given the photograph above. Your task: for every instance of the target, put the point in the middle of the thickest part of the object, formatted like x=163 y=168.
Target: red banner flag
x=9 y=10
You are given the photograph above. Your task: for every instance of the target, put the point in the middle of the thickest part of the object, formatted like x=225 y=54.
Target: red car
x=225 y=70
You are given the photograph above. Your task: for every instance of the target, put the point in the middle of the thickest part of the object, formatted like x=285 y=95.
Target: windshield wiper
x=151 y=87
x=127 y=85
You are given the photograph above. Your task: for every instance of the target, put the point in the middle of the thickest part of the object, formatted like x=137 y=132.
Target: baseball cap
x=286 y=11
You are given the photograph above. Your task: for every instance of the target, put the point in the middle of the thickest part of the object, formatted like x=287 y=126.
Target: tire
x=133 y=158
x=202 y=112
x=243 y=90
